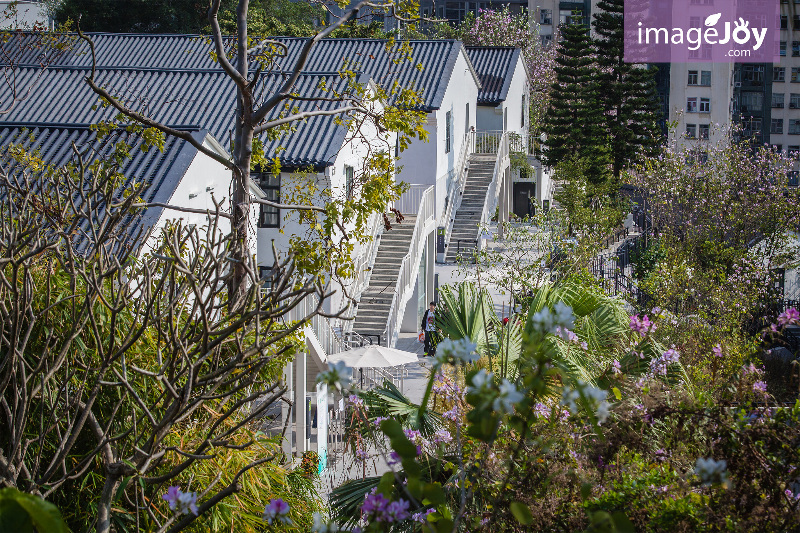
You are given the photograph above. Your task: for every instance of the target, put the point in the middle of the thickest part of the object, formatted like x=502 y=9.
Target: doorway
x=524 y=199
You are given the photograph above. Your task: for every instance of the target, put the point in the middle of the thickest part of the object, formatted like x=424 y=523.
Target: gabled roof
x=495 y=66
x=187 y=99
x=161 y=170
x=424 y=64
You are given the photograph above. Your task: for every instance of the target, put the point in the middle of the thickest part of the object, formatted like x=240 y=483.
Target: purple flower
x=616 y=367
x=394 y=458
x=442 y=437
x=361 y=455
x=276 y=510
x=760 y=387
x=397 y=511
x=181 y=502
x=422 y=516
x=788 y=316
x=355 y=400
x=642 y=326
x=374 y=504
x=717 y=350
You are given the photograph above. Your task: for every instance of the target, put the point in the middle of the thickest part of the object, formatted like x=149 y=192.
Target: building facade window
x=349 y=177
x=776 y=126
x=448 y=134
x=705 y=105
x=794 y=101
x=691 y=131
x=782 y=50
x=795 y=48
x=753 y=74
x=691 y=105
x=693 y=78
x=269 y=216
x=705 y=130
x=794 y=126
x=784 y=22
x=795 y=75
x=777 y=100
x=778 y=74
x=546 y=17
x=705 y=78
x=752 y=127
x=751 y=101
x=794 y=150
x=794 y=178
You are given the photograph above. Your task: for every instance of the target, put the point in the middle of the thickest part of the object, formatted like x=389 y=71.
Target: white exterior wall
x=27 y=14
x=517 y=120
x=203 y=173
x=428 y=163
x=720 y=92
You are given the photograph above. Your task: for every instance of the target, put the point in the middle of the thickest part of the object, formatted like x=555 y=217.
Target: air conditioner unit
x=737 y=84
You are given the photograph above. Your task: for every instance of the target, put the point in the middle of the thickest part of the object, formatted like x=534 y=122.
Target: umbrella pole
x=361 y=373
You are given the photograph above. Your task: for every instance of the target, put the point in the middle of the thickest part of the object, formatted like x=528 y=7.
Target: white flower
x=602 y=412
x=551 y=321
x=481 y=380
x=711 y=472
x=569 y=398
x=337 y=376
x=594 y=394
x=461 y=350
x=321 y=526
x=508 y=397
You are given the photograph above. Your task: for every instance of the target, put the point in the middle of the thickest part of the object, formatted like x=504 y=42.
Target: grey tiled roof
x=495 y=67
x=428 y=70
x=189 y=99
x=162 y=171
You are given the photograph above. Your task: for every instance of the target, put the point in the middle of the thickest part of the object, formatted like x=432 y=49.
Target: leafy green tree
x=574 y=123
x=627 y=91
x=136 y=16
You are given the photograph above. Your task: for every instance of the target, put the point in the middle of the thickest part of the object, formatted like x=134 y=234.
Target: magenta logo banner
x=702 y=31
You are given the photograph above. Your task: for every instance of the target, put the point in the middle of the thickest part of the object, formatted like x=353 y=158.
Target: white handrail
x=408 y=268
x=319 y=325
x=456 y=187
x=492 y=194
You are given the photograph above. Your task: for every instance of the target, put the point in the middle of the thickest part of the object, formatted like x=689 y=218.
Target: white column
x=286 y=410
x=301 y=433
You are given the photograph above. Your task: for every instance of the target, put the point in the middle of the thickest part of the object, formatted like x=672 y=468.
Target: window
x=270 y=217
x=784 y=22
x=695 y=22
x=794 y=150
x=701 y=2
x=783 y=49
x=691 y=131
x=778 y=74
x=777 y=148
x=776 y=126
x=752 y=127
x=795 y=48
x=794 y=126
x=705 y=75
x=704 y=131
x=705 y=105
x=752 y=101
x=794 y=178
x=505 y=119
x=524 y=112
x=348 y=181
x=777 y=100
x=692 y=78
x=448 y=119
x=546 y=40
x=794 y=101
x=795 y=74
x=796 y=22
x=545 y=205
x=267 y=275
x=753 y=73
x=569 y=16
x=691 y=105
x=546 y=16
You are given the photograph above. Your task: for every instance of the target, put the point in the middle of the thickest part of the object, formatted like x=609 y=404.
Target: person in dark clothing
x=429 y=329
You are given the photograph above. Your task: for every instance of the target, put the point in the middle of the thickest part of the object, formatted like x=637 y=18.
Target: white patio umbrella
x=373 y=356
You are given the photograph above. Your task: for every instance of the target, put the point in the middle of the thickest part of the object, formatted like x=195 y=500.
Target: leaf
x=22 y=512
x=712 y=19
x=521 y=513
x=617 y=393
x=622 y=524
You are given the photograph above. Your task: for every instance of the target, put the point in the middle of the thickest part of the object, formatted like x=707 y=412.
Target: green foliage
x=26 y=513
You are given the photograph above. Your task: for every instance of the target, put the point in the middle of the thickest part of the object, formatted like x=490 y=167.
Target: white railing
x=498 y=174
x=408 y=268
x=320 y=325
x=409 y=201
x=362 y=270
x=456 y=182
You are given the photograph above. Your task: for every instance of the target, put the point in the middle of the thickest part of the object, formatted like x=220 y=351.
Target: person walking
x=429 y=329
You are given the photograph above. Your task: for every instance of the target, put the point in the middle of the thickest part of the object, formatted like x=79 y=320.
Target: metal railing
x=408 y=268
x=492 y=194
x=320 y=325
x=409 y=201
x=456 y=182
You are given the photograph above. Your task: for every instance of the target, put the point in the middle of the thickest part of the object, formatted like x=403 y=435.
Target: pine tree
x=574 y=122
x=627 y=91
